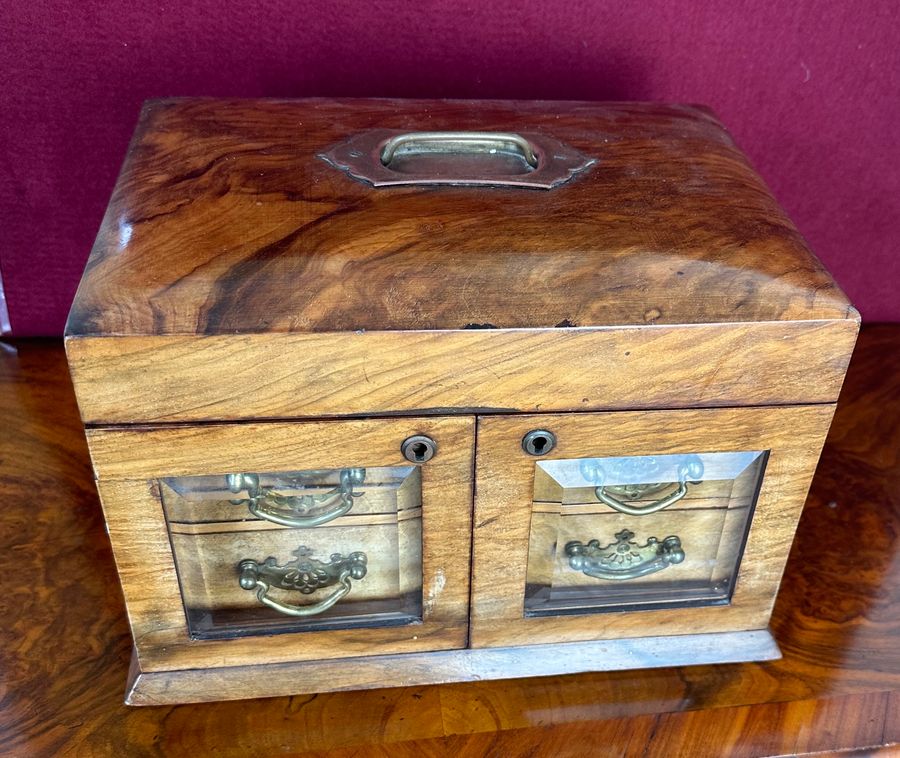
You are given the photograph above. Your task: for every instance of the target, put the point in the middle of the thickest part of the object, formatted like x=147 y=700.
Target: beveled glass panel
x=289 y=551
x=640 y=532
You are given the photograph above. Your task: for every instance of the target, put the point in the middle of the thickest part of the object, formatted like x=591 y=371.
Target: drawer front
x=253 y=543
x=626 y=533
x=261 y=553
x=636 y=523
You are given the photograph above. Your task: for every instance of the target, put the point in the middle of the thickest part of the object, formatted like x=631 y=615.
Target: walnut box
x=385 y=392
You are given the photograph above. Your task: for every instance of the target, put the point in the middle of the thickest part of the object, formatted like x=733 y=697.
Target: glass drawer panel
x=269 y=552
x=641 y=532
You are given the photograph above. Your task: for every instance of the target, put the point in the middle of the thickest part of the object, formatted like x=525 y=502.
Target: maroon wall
x=810 y=89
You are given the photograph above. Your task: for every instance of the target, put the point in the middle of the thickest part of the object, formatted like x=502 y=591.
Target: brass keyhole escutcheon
x=418 y=448
x=538 y=442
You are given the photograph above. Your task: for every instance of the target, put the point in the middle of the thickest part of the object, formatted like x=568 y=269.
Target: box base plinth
x=277 y=679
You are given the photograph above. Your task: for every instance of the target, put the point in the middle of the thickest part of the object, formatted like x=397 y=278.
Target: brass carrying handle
x=687 y=474
x=304 y=574
x=301 y=511
x=624 y=559
x=457 y=142
x=389 y=158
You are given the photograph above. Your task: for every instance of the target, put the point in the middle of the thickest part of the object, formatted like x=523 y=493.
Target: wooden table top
x=65 y=645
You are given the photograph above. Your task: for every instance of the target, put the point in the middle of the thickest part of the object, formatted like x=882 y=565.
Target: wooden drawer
x=185 y=526
x=383 y=528
x=557 y=559
x=695 y=508
x=297 y=521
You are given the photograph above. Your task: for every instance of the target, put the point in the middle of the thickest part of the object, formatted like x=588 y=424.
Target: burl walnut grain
x=225 y=221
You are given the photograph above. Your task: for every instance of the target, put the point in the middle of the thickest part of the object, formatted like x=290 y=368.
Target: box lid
x=227 y=219
x=319 y=258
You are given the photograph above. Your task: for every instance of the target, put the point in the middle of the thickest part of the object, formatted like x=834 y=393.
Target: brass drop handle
x=624 y=559
x=688 y=473
x=641 y=510
x=304 y=574
x=301 y=511
x=459 y=142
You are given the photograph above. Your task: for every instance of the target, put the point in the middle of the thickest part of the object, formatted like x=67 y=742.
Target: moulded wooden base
x=270 y=680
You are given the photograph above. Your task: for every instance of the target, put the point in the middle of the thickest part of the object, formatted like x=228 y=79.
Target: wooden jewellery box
x=394 y=392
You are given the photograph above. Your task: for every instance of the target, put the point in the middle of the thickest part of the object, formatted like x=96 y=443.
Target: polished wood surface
x=65 y=645
x=193 y=378
x=224 y=220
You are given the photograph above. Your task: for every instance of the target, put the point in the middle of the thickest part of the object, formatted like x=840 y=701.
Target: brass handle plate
x=624 y=559
x=305 y=575
x=385 y=157
x=303 y=511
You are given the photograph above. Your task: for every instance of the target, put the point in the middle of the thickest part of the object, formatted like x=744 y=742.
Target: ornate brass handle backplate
x=304 y=574
x=297 y=510
x=624 y=559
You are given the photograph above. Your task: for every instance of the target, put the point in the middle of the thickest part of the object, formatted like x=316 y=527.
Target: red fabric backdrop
x=809 y=88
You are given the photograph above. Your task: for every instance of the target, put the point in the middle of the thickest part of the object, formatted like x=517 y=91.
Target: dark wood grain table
x=65 y=646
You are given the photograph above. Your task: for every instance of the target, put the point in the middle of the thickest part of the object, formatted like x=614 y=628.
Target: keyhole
x=418 y=448
x=538 y=442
